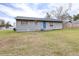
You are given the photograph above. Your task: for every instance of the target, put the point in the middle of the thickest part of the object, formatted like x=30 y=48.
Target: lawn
x=45 y=43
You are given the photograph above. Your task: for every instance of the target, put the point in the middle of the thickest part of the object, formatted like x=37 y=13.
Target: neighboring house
x=37 y=24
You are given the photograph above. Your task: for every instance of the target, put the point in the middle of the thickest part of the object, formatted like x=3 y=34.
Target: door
x=44 y=25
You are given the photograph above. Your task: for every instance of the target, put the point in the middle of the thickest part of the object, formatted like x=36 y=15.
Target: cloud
x=12 y=13
x=26 y=11
x=10 y=5
x=9 y=11
x=74 y=7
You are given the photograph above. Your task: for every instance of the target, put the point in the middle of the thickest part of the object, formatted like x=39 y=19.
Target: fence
x=74 y=24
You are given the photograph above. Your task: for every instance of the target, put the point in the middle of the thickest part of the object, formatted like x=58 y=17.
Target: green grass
x=54 y=43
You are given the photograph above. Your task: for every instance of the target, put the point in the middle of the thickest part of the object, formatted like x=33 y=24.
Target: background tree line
x=4 y=24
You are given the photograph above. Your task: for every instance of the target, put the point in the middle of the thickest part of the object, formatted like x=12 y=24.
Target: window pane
x=24 y=22
x=51 y=23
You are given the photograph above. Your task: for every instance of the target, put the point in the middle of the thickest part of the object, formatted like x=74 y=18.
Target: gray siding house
x=37 y=24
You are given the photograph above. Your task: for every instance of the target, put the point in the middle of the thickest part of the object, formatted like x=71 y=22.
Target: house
x=37 y=24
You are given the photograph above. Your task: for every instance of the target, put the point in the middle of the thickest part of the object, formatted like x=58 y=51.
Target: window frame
x=51 y=23
x=24 y=22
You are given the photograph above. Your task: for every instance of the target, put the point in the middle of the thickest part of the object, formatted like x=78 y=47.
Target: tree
x=48 y=15
x=2 y=22
x=76 y=17
x=61 y=13
x=8 y=24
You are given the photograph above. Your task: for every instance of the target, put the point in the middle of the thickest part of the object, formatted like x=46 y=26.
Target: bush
x=14 y=29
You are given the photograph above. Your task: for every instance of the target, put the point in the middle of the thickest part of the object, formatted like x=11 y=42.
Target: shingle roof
x=39 y=19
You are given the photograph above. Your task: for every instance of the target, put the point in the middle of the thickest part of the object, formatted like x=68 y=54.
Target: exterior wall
x=57 y=25
x=36 y=26
x=31 y=26
x=54 y=25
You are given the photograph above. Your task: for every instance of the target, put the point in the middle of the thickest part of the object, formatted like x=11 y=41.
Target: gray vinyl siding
x=33 y=26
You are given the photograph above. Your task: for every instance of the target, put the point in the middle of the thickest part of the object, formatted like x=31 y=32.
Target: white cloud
x=31 y=12
x=39 y=1
x=26 y=11
x=74 y=7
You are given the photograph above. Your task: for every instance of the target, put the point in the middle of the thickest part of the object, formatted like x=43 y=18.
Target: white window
x=18 y=22
x=24 y=22
x=51 y=23
x=36 y=22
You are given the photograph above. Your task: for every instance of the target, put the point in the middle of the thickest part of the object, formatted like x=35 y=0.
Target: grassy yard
x=54 y=43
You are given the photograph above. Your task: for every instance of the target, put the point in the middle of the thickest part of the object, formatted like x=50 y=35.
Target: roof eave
x=35 y=19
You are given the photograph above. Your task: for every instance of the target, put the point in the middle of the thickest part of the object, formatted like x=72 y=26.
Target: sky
x=8 y=11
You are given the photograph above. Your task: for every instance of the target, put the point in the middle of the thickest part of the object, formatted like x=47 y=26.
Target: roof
x=38 y=19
